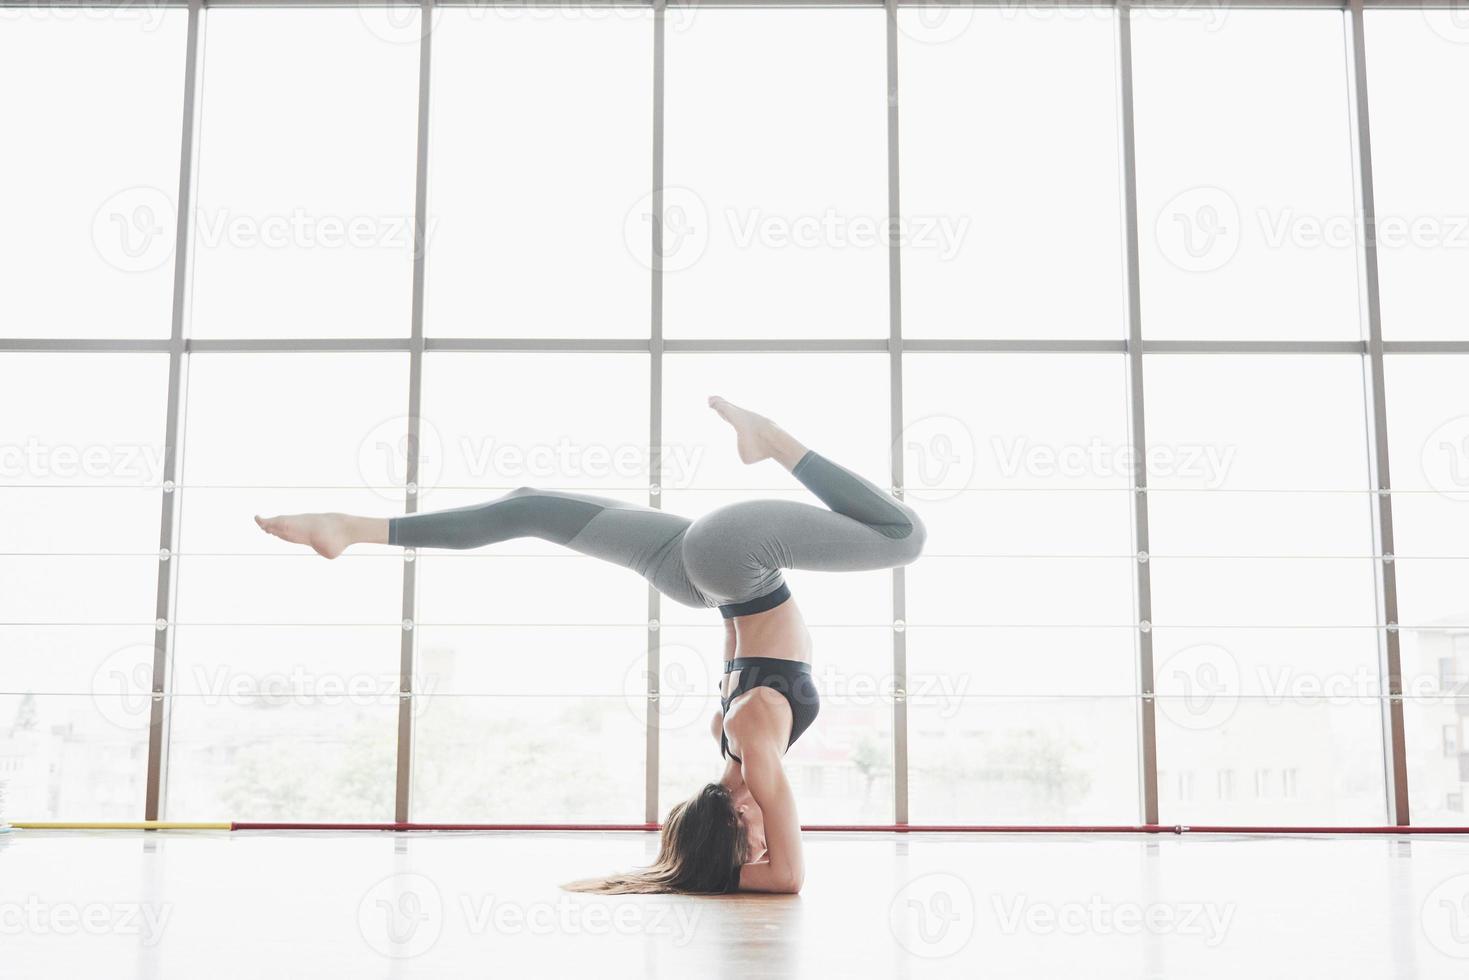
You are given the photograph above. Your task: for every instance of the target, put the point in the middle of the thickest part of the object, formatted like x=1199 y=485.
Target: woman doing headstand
x=741 y=832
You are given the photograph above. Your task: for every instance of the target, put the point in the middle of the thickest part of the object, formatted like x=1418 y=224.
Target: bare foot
x=327 y=534
x=756 y=437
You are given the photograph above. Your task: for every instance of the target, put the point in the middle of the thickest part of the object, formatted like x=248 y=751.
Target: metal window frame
x=170 y=505
x=895 y=415
x=403 y=789
x=655 y=345
x=726 y=345
x=1395 y=753
x=728 y=4
x=1147 y=727
x=1373 y=349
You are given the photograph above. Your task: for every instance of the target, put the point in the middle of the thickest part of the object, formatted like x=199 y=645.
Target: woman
x=740 y=833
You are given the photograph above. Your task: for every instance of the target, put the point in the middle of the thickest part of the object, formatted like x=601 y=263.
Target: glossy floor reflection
x=191 y=905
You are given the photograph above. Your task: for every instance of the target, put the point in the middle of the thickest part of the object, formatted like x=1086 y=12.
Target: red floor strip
x=874 y=828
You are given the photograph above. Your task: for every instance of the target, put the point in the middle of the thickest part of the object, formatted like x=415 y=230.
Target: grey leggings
x=731 y=557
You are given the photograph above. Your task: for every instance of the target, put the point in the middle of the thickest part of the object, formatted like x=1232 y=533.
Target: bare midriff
x=778 y=633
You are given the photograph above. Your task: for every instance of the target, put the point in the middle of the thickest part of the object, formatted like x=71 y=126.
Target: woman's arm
x=784 y=869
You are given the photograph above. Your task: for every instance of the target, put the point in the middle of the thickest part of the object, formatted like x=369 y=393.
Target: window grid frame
x=1372 y=350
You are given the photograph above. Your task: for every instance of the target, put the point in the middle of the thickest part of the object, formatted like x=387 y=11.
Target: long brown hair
x=701 y=852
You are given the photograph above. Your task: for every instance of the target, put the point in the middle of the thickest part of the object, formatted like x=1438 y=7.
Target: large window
x=1422 y=206
x=1263 y=604
x=89 y=191
x=1244 y=176
x=1188 y=518
x=1001 y=196
x=775 y=198
x=538 y=220
x=303 y=222
x=1019 y=618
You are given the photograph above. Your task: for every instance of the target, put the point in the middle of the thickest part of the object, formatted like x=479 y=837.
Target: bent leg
x=850 y=495
x=737 y=552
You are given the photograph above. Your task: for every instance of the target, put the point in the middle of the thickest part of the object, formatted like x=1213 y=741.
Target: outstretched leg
x=644 y=540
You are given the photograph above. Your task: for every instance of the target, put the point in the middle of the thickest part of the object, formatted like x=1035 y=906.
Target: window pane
x=540 y=181
x=1000 y=195
x=502 y=658
x=67 y=757
x=1264 y=609
x=776 y=175
x=282 y=755
x=1025 y=498
x=1269 y=760
x=1428 y=436
x=1428 y=430
x=79 y=509
x=1434 y=727
x=1226 y=422
x=304 y=221
x=1417 y=171
x=95 y=98
x=285 y=665
x=495 y=421
x=1244 y=171
x=1061 y=761
x=549 y=759
x=1019 y=615
x=572 y=421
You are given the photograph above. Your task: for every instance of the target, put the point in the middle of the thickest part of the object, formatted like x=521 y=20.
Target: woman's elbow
x=790 y=884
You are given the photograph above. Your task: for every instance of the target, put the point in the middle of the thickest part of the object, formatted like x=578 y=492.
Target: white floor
x=215 y=905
